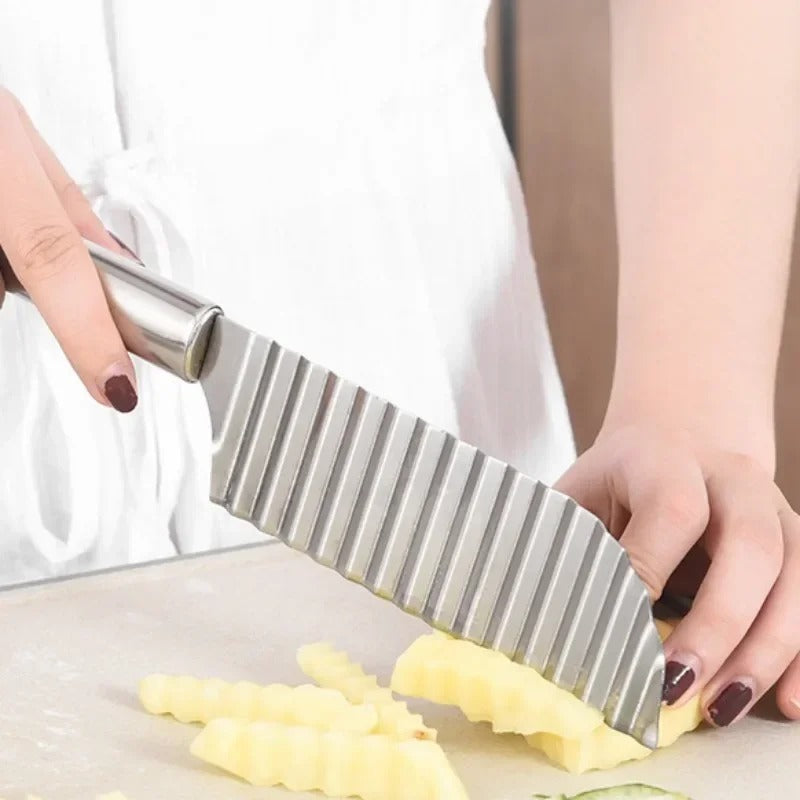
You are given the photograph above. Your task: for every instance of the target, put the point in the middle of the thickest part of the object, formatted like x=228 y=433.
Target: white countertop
x=71 y=726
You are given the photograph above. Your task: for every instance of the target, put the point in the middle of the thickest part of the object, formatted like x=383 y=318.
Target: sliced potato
x=333 y=669
x=488 y=686
x=195 y=700
x=605 y=748
x=372 y=767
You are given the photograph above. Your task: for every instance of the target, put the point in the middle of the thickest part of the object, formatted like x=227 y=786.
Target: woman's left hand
x=675 y=503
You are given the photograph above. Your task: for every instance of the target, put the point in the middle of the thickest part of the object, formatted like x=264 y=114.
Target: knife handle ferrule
x=158 y=320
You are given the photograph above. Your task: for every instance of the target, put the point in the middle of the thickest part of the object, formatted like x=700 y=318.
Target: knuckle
x=722 y=631
x=684 y=511
x=683 y=443
x=775 y=650
x=745 y=464
x=47 y=249
x=763 y=542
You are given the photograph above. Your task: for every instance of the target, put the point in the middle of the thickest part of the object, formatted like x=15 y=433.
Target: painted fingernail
x=124 y=246
x=677 y=679
x=730 y=703
x=119 y=391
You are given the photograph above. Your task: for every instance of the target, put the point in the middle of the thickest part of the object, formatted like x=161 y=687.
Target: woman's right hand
x=43 y=215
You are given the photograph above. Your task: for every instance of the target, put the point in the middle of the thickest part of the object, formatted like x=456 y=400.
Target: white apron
x=335 y=175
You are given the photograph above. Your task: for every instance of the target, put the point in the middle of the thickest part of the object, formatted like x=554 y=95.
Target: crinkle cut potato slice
x=333 y=669
x=303 y=759
x=194 y=700
x=605 y=748
x=347 y=738
x=488 y=686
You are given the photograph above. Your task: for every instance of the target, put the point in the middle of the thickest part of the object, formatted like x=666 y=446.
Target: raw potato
x=374 y=767
x=605 y=748
x=333 y=669
x=488 y=686
x=194 y=700
x=305 y=739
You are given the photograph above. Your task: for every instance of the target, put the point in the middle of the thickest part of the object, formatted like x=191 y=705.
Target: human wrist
x=736 y=419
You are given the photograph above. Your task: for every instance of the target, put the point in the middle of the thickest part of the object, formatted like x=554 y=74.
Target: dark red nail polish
x=121 y=394
x=730 y=702
x=124 y=246
x=677 y=679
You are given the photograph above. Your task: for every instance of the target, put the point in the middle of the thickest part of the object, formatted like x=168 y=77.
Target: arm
x=706 y=99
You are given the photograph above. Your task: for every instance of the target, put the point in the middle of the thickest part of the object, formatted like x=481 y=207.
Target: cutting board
x=74 y=650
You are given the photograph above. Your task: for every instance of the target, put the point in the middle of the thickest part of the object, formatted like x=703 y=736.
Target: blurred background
x=549 y=65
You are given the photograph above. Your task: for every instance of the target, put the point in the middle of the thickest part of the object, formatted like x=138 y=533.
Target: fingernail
x=124 y=246
x=677 y=679
x=730 y=703
x=120 y=393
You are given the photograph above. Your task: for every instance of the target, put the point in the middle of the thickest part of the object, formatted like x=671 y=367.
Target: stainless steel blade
x=442 y=530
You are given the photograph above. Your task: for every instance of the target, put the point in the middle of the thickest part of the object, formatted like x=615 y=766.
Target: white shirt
x=335 y=175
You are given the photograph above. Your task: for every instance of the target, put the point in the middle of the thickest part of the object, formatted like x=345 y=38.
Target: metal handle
x=159 y=321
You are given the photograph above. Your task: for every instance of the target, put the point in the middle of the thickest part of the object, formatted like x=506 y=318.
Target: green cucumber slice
x=631 y=791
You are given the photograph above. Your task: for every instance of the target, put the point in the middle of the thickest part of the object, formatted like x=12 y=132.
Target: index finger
x=669 y=512
x=47 y=255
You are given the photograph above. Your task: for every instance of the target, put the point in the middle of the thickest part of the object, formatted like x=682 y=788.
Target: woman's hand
x=43 y=216
x=694 y=517
x=706 y=121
